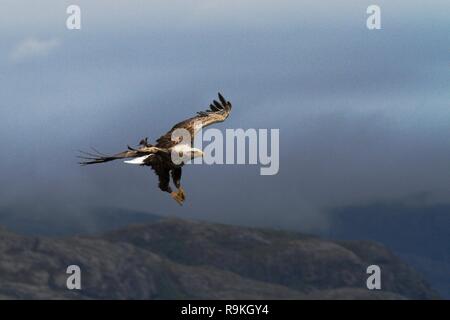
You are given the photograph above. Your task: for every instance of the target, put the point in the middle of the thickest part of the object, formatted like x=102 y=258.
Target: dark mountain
x=177 y=259
x=419 y=234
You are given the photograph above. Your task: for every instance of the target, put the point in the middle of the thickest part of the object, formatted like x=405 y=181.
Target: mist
x=363 y=115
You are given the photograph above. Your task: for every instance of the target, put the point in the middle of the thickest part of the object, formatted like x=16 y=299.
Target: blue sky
x=363 y=115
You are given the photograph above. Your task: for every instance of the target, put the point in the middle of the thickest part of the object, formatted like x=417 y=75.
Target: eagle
x=159 y=156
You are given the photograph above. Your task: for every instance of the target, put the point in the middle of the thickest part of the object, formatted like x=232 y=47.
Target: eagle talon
x=177 y=197
x=181 y=193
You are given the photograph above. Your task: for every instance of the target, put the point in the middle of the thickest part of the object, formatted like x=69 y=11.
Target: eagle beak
x=197 y=153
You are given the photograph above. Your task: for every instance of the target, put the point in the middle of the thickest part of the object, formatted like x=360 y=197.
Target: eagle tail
x=98 y=157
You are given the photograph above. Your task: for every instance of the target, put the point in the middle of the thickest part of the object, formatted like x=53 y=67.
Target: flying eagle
x=159 y=156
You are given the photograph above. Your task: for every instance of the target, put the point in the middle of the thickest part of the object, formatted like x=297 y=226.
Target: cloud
x=360 y=119
x=32 y=47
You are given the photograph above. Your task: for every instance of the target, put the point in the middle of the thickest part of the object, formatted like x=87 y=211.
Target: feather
x=139 y=160
x=222 y=99
x=218 y=112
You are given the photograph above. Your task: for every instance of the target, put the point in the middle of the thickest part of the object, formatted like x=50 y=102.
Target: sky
x=363 y=114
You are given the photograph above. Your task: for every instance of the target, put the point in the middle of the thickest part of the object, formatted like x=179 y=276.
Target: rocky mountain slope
x=419 y=234
x=180 y=259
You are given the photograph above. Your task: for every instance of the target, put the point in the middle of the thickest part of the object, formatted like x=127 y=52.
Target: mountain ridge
x=174 y=258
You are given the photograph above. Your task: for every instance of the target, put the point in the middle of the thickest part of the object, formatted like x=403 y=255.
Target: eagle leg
x=181 y=193
x=177 y=197
x=176 y=177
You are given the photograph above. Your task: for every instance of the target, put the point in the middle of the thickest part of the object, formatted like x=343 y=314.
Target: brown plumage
x=218 y=112
x=158 y=156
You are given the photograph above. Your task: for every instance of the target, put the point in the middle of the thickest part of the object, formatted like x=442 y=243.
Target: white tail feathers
x=139 y=160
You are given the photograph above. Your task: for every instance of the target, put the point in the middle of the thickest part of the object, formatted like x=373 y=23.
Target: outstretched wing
x=217 y=112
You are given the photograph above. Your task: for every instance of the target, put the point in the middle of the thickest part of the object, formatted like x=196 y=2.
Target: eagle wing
x=217 y=112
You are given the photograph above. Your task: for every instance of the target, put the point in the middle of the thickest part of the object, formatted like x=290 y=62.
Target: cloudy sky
x=363 y=115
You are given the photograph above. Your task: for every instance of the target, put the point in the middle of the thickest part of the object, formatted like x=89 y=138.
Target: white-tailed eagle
x=159 y=156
